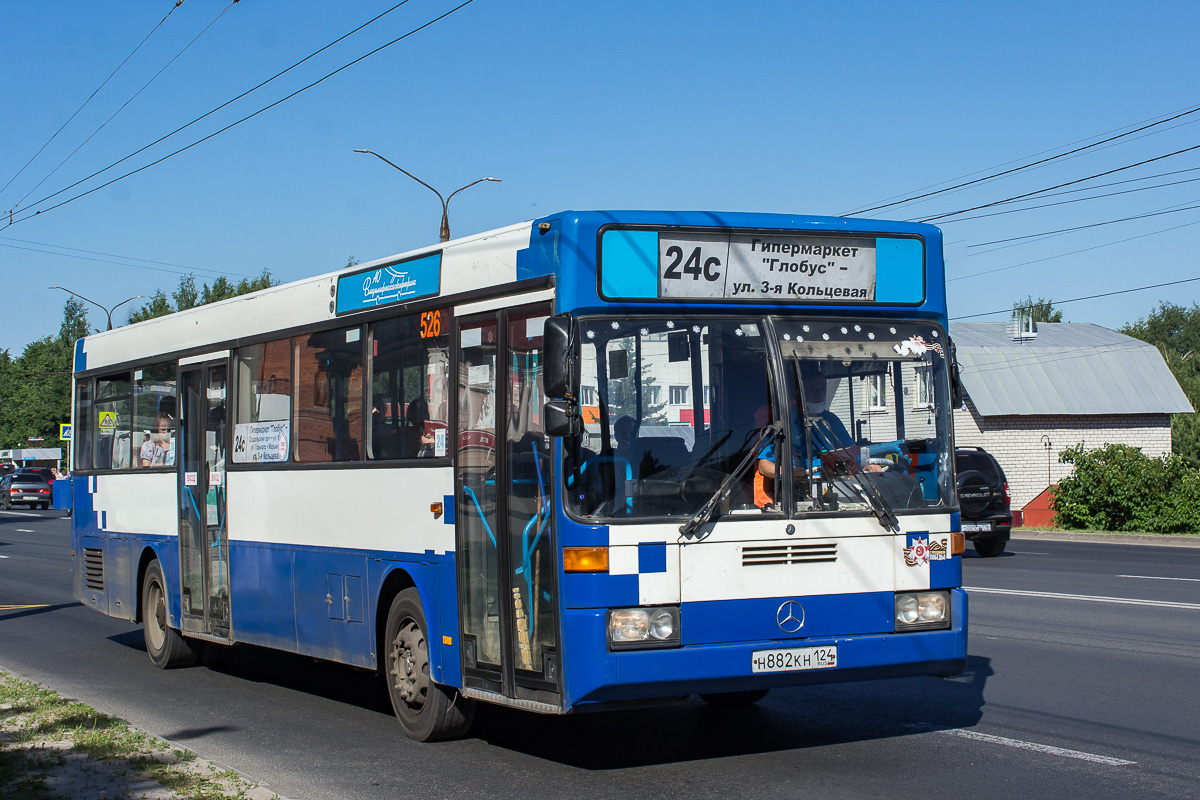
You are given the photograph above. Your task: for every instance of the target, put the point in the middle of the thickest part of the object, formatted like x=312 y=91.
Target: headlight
x=922 y=611
x=630 y=628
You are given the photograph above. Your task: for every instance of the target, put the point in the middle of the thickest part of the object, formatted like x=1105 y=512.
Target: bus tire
x=427 y=711
x=166 y=646
x=734 y=699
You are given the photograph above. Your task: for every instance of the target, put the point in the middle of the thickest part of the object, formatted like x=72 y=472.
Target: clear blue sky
x=786 y=106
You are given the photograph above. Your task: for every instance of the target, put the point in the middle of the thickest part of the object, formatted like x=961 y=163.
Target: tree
x=35 y=388
x=1175 y=331
x=188 y=296
x=1043 y=309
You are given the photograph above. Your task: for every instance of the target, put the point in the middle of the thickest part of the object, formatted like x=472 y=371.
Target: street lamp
x=107 y=311
x=445 y=200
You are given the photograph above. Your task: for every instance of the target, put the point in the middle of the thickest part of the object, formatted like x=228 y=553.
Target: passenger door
x=506 y=555
x=203 y=533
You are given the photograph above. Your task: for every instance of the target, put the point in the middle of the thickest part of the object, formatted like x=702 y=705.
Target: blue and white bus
x=593 y=460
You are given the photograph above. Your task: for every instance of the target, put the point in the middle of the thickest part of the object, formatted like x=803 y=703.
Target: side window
x=85 y=424
x=113 y=419
x=155 y=412
x=329 y=391
x=262 y=430
x=877 y=392
x=410 y=400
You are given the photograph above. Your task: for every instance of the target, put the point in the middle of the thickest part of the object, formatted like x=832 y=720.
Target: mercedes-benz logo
x=790 y=616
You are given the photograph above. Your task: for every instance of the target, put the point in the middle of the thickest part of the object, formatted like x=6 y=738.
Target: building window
x=651 y=393
x=677 y=395
x=924 y=386
x=877 y=392
x=587 y=395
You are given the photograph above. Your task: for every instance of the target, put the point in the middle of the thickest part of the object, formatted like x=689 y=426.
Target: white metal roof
x=1069 y=368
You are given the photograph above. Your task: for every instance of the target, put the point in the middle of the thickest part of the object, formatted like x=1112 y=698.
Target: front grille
x=806 y=553
x=93 y=568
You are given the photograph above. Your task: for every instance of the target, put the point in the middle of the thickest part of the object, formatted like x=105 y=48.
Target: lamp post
x=107 y=311
x=445 y=200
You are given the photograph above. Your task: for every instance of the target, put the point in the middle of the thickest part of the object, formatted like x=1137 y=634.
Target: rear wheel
x=427 y=711
x=166 y=646
x=989 y=548
x=734 y=699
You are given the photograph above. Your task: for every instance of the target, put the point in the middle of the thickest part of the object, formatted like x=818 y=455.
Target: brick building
x=1031 y=394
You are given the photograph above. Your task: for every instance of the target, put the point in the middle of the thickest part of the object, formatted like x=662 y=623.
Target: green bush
x=1120 y=488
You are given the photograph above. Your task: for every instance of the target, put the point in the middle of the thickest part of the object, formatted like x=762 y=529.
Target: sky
x=771 y=106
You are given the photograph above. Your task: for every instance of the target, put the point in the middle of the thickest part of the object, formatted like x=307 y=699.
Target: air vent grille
x=93 y=568
x=799 y=553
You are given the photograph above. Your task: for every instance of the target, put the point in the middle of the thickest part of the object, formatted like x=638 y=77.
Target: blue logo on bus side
x=386 y=286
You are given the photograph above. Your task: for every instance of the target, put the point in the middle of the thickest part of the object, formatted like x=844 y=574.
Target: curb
x=1161 y=540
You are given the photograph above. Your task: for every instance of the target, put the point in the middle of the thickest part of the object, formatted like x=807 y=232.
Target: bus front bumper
x=597 y=676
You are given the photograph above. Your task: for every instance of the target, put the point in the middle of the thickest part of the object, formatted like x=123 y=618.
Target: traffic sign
x=64 y=431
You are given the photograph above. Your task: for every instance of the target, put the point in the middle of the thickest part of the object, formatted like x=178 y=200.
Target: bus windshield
x=876 y=416
x=670 y=407
x=673 y=406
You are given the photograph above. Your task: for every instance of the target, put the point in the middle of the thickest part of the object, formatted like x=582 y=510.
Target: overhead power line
x=1075 y=200
x=104 y=124
x=178 y=3
x=1085 y=227
x=207 y=114
x=1088 y=297
x=1060 y=185
x=181 y=270
x=1039 y=162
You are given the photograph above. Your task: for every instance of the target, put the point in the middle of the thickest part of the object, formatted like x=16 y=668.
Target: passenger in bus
x=155 y=447
x=815 y=391
x=418 y=440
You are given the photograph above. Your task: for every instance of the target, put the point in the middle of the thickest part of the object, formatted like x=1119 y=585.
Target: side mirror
x=561 y=372
x=956 y=387
x=560 y=418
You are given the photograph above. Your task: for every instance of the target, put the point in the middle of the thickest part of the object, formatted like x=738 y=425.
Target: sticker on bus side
x=384 y=286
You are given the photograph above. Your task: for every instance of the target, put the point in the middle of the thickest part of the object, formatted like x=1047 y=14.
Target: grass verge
x=53 y=748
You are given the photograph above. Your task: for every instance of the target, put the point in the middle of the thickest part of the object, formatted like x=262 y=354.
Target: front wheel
x=166 y=646
x=989 y=548
x=427 y=711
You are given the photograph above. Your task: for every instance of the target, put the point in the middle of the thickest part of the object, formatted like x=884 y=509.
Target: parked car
x=984 y=500
x=25 y=487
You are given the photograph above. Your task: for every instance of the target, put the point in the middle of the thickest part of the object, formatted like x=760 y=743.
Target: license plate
x=30 y=497
x=793 y=659
x=976 y=527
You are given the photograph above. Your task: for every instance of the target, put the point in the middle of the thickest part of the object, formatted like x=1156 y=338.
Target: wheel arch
x=149 y=555
x=427 y=580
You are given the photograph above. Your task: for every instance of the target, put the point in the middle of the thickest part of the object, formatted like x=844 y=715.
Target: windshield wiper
x=844 y=467
x=706 y=512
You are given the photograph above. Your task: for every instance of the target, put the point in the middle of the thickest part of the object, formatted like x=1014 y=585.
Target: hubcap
x=410 y=665
x=157 y=616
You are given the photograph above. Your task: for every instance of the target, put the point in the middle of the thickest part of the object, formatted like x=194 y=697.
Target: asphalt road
x=1064 y=695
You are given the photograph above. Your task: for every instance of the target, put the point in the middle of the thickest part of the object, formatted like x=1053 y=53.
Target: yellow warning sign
x=108 y=421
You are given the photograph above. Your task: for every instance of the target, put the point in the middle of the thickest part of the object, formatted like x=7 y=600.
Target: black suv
x=983 y=500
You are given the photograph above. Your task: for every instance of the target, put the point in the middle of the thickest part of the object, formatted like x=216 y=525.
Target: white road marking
x=23 y=530
x=3 y=556
x=1089 y=598
x=1038 y=748
x=1159 y=578
x=1026 y=553
x=24 y=514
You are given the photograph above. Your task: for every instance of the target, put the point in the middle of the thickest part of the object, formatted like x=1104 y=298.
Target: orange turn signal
x=436 y=508
x=958 y=543
x=585 y=559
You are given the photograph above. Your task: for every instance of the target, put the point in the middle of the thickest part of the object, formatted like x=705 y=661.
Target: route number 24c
x=691 y=266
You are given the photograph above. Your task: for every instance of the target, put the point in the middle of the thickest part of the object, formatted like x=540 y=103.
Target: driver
x=815 y=390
